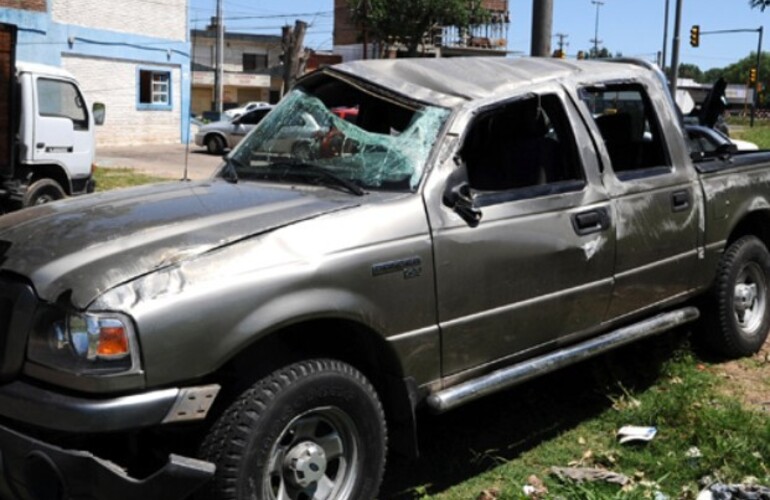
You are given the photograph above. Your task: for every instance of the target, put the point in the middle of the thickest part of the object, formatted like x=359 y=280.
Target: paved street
x=162 y=160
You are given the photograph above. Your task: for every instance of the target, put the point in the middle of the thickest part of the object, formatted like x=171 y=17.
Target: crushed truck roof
x=453 y=81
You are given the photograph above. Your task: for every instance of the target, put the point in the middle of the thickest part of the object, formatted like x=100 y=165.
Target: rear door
x=655 y=200
x=538 y=265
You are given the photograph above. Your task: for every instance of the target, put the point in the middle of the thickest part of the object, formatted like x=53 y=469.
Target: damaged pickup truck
x=265 y=333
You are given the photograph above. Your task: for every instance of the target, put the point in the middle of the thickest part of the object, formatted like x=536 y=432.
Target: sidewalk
x=160 y=160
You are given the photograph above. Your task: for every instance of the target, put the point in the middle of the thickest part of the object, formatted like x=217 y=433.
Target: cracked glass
x=361 y=140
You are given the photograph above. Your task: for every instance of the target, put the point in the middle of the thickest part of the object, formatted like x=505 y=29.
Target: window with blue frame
x=154 y=89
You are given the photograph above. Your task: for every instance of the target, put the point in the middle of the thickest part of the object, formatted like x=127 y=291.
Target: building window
x=253 y=62
x=154 y=89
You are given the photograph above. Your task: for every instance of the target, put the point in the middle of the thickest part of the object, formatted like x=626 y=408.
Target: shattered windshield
x=342 y=137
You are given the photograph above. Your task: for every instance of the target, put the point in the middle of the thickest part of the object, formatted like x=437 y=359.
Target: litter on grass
x=589 y=474
x=633 y=433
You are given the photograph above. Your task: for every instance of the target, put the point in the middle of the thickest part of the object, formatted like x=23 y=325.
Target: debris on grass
x=633 y=433
x=589 y=474
x=535 y=488
x=720 y=491
x=489 y=494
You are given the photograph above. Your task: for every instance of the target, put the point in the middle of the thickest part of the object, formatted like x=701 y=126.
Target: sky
x=632 y=27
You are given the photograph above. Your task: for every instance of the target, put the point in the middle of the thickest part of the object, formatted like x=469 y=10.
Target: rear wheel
x=741 y=318
x=43 y=191
x=310 y=431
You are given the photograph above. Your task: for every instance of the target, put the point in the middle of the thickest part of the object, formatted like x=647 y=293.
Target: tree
x=690 y=71
x=762 y=4
x=408 y=21
x=603 y=53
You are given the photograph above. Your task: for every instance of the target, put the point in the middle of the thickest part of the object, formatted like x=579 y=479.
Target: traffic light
x=695 y=35
x=752 y=76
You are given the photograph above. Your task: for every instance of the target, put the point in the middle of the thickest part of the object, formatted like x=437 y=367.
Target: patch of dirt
x=748 y=379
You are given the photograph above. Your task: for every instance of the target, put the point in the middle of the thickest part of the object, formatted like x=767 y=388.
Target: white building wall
x=166 y=19
x=115 y=84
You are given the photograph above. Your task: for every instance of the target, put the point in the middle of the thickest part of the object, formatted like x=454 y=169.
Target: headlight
x=85 y=343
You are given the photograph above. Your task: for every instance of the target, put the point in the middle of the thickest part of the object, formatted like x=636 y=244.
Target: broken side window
x=373 y=141
x=525 y=147
x=629 y=127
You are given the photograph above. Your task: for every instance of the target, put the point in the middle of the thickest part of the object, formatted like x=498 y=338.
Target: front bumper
x=34 y=470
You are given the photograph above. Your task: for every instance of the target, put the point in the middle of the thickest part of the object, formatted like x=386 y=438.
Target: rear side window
x=254 y=117
x=630 y=130
x=525 y=148
x=61 y=99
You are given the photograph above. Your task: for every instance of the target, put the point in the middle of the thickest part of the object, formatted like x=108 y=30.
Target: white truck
x=46 y=131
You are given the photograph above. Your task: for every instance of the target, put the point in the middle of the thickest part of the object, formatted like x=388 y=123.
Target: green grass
x=571 y=418
x=759 y=134
x=113 y=178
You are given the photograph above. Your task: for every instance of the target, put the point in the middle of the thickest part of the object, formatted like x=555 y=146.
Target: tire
x=302 y=151
x=741 y=316
x=312 y=430
x=215 y=145
x=43 y=191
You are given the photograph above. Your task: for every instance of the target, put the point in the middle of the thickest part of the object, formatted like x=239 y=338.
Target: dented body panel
x=458 y=228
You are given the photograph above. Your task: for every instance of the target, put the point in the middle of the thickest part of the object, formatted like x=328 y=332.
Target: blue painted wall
x=41 y=40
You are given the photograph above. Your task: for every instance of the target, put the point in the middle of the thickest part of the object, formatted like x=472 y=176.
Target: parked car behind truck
x=46 y=129
x=282 y=323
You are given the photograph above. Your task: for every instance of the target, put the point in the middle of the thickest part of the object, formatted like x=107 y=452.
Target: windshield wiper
x=305 y=168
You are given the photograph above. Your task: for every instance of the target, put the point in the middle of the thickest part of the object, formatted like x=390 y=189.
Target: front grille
x=17 y=312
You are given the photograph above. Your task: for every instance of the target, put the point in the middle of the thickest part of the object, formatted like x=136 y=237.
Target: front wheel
x=742 y=312
x=314 y=430
x=43 y=191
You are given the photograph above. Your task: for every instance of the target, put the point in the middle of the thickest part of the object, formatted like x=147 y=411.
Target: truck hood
x=91 y=244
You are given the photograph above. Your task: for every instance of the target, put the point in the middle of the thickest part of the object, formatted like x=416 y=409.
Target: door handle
x=680 y=200
x=591 y=221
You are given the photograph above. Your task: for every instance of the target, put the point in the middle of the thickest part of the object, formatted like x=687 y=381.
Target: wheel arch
x=335 y=338
x=756 y=223
x=58 y=173
x=218 y=134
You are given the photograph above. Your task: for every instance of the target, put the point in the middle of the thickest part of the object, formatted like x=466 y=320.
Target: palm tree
x=759 y=3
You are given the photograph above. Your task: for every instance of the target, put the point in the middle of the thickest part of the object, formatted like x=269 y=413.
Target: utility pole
x=675 y=49
x=293 y=41
x=596 y=40
x=542 y=22
x=665 y=38
x=562 y=44
x=220 y=57
x=363 y=7
x=756 y=84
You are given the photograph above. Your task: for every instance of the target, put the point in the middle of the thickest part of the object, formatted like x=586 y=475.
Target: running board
x=504 y=378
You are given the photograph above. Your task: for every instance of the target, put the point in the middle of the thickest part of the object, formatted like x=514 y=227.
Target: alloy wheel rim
x=316 y=457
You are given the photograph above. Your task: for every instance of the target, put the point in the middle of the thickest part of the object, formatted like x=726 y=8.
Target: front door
x=538 y=265
x=62 y=132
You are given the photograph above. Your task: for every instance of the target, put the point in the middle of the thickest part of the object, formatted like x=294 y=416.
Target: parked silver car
x=225 y=134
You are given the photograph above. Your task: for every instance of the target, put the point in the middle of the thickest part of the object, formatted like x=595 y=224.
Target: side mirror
x=458 y=197
x=727 y=149
x=100 y=112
